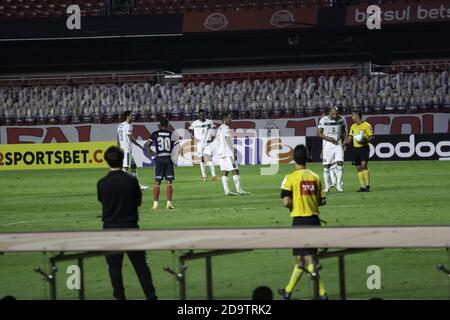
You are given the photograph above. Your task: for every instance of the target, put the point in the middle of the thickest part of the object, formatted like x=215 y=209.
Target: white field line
x=21 y=222
x=49 y=219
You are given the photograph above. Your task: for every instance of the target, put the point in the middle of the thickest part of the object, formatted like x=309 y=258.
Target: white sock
x=211 y=167
x=202 y=168
x=339 y=174
x=237 y=182
x=225 y=184
x=326 y=177
x=333 y=174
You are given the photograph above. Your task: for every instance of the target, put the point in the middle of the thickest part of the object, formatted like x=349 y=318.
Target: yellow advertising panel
x=53 y=155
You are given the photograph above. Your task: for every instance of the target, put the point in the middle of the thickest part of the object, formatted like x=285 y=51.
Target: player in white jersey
x=333 y=167
x=124 y=140
x=202 y=132
x=227 y=157
x=331 y=130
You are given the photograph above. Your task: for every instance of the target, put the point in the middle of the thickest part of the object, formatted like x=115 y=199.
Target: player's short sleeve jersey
x=332 y=128
x=163 y=142
x=365 y=128
x=306 y=192
x=124 y=130
x=202 y=130
x=223 y=133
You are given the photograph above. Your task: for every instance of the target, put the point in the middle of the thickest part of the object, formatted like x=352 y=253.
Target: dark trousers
x=139 y=262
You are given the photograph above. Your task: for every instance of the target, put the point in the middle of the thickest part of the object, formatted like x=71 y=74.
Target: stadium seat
x=153 y=6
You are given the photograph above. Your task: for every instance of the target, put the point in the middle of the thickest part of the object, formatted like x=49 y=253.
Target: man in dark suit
x=121 y=196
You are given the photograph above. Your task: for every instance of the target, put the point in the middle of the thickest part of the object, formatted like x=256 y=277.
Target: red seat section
x=18 y=9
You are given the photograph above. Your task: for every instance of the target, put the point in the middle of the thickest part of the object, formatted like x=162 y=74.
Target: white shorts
x=333 y=154
x=206 y=148
x=227 y=164
x=127 y=159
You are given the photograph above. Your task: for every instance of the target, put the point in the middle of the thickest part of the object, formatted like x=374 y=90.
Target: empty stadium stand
x=164 y=6
x=265 y=94
x=17 y=9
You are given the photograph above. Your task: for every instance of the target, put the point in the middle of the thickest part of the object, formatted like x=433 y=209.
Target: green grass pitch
x=404 y=193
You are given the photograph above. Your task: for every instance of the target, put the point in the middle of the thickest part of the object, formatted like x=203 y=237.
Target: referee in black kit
x=121 y=196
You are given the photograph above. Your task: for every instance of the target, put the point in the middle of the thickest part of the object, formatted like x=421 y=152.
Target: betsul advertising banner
x=248 y=19
x=402 y=12
x=53 y=156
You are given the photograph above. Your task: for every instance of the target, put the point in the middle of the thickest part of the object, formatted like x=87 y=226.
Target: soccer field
x=404 y=193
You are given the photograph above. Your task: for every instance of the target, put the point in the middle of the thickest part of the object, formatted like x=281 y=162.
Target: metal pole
x=315 y=278
x=52 y=279
x=81 y=291
x=209 y=285
x=182 y=279
x=342 y=291
x=448 y=252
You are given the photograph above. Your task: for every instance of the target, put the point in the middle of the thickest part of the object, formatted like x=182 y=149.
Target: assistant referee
x=302 y=194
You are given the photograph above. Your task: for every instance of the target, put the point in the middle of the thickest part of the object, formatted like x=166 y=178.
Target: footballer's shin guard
x=156 y=189
x=326 y=178
x=237 y=182
x=202 y=169
x=210 y=164
x=339 y=175
x=169 y=192
x=333 y=174
x=295 y=277
x=225 y=184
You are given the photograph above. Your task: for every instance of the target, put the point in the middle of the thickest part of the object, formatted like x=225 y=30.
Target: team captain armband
x=286 y=193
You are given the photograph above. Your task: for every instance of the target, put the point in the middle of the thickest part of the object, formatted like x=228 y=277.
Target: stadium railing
x=215 y=242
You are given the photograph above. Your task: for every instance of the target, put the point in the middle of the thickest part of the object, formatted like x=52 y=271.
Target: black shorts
x=305 y=221
x=360 y=154
x=164 y=169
